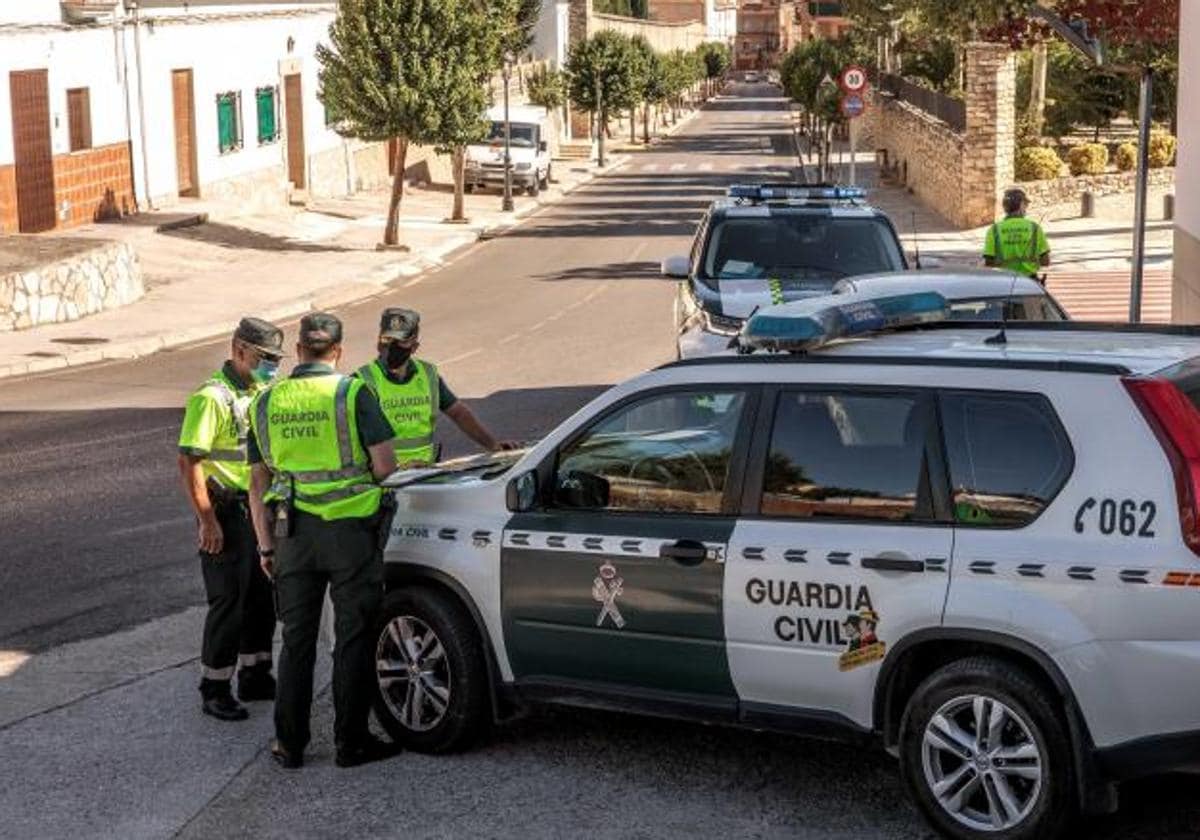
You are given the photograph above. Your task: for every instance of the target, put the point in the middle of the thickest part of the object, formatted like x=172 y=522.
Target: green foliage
x=935 y=66
x=716 y=57
x=655 y=84
x=1037 y=163
x=607 y=57
x=1078 y=94
x=1162 y=149
x=1088 y=159
x=803 y=70
x=1126 y=157
x=547 y=87
x=517 y=19
x=625 y=8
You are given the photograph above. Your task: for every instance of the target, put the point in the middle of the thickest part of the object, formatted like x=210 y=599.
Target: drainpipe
x=137 y=53
x=123 y=74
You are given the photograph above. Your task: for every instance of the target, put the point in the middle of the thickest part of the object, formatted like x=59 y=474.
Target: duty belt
x=219 y=494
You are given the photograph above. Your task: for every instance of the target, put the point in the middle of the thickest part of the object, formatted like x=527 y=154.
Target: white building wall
x=1185 y=298
x=551 y=35
x=721 y=22
x=30 y=11
x=73 y=59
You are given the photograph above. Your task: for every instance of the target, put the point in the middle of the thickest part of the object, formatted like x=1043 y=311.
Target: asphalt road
x=96 y=537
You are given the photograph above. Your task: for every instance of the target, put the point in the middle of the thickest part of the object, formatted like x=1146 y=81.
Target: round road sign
x=853 y=79
x=852 y=105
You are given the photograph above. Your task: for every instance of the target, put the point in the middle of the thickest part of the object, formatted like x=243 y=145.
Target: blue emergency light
x=810 y=323
x=796 y=192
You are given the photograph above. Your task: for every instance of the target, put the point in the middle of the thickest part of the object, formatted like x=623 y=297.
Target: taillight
x=1176 y=424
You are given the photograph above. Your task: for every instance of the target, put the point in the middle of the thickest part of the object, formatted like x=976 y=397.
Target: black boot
x=218 y=701
x=256 y=683
x=367 y=750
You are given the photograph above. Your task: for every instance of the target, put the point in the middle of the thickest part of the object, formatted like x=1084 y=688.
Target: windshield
x=524 y=135
x=1025 y=308
x=816 y=248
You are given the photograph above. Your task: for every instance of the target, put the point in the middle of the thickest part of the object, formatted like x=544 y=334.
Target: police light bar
x=808 y=324
x=765 y=192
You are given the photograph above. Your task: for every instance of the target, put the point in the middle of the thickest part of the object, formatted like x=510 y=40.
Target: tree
x=601 y=64
x=1078 y=93
x=717 y=60
x=380 y=77
x=519 y=19
x=546 y=87
x=640 y=55
x=655 y=90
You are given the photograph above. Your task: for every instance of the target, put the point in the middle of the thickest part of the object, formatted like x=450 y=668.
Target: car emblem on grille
x=605 y=589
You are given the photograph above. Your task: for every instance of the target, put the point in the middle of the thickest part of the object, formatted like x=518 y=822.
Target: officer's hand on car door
x=212 y=540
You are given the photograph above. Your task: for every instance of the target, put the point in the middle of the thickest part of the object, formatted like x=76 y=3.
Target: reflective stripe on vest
x=414 y=437
x=323 y=450
x=228 y=456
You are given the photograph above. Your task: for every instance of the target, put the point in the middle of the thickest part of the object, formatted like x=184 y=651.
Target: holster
x=284 y=511
x=384 y=517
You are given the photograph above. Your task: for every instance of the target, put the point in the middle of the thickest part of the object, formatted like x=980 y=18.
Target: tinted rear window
x=1008 y=456
x=1025 y=308
x=800 y=246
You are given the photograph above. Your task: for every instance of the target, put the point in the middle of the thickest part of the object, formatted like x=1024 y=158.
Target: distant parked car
x=973 y=294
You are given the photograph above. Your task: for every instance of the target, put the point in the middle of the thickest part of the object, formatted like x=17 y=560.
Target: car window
x=799 y=246
x=846 y=455
x=521 y=135
x=1022 y=308
x=668 y=453
x=1008 y=456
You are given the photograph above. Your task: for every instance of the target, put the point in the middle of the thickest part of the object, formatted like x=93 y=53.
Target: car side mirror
x=522 y=492
x=543 y=146
x=677 y=266
x=578 y=489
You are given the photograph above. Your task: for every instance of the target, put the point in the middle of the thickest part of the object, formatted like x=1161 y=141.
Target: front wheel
x=546 y=178
x=533 y=185
x=985 y=754
x=431 y=676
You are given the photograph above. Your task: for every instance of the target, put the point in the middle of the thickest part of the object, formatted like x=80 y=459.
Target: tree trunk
x=458 y=162
x=633 y=124
x=646 y=123
x=391 y=232
x=1037 y=90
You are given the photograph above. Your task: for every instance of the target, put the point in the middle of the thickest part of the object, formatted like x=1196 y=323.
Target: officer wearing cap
x=412 y=392
x=319 y=446
x=240 y=624
x=1015 y=242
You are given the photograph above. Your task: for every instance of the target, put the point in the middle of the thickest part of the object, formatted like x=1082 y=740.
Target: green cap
x=399 y=323
x=261 y=335
x=319 y=330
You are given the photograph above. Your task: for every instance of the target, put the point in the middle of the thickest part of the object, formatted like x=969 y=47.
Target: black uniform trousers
x=343 y=556
x=241 y=612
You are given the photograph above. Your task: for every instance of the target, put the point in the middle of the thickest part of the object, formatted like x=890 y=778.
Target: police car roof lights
x=809 y=324
x=795 y=192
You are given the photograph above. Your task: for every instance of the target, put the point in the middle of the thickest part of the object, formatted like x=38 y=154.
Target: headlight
x=522 y=167
x=721 y=324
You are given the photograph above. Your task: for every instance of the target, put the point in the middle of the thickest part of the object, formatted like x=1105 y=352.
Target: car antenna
x=1002 y=336
x=916 y=241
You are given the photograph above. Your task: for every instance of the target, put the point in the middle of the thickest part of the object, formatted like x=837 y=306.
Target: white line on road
x=508 y=339
x=92 y=442
x=705 y=167
x=462 y=356
x=649 y=167
x=150 y=526
x=678 y=167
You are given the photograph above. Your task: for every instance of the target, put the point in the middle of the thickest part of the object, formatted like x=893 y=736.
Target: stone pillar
x=991 y=80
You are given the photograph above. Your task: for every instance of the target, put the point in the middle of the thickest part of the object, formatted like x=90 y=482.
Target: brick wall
x=676 y=11
x=8 y=199
x=96 y=185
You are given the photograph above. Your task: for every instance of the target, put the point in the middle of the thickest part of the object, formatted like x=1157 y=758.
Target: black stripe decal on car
x=481 y=537
x=838 y=558
x=1031 y=569
x=935 y=564
x=796 y=555
x=983 y=567
x=556 y=541
x=1135 y=575
x=519 y=539
x=1081 y=572
x=632 y=546
x=593 y=543
x=753 y=553
x=448 y=534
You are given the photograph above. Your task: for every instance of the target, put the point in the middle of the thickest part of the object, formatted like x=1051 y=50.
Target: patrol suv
x=765 y=244
x=978 y=544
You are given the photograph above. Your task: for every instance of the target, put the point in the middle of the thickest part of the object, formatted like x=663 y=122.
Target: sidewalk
x=200 y=279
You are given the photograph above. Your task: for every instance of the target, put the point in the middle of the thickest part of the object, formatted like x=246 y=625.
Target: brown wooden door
x=185 y=131
x=293 y=104
x=32 y=154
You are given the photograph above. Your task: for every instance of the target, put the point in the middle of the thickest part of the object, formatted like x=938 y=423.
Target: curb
x=380 y=282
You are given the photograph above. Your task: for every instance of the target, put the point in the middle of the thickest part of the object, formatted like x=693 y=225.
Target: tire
x=469 y=188
x=1030 y=729
x=459 y=677
x=546 y=178
x=533 y=185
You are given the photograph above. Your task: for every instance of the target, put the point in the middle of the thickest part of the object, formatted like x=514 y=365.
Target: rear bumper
x=485 y=177
x=1178 y=752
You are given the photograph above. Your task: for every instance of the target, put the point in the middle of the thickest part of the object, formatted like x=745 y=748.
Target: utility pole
x=1145 y=99
x=507 y=204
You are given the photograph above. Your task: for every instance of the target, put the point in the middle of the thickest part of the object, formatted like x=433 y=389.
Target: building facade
x=825 y=20
x=766 y=30
x=109 y=106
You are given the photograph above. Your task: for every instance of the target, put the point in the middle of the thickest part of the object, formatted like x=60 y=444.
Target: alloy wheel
x=982 y=763
x=413 y=673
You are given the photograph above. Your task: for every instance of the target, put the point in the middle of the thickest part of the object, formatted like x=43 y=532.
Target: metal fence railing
x=949 y=110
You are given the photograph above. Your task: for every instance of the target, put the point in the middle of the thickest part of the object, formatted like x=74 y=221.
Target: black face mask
x=396 y=356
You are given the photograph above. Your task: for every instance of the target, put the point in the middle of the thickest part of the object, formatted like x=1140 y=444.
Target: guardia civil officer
x=319 y=446
x=412 y=392
x=1015 y=242
x=240 y=624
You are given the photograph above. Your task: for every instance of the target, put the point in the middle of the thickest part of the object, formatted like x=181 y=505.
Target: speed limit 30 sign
x=853 y=79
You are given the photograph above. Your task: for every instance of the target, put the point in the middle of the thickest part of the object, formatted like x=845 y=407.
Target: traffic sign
x=852 y=105
x=853 y=79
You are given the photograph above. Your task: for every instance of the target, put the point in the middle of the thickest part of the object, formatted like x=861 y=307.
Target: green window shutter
x=226 y=122
x=267 y=131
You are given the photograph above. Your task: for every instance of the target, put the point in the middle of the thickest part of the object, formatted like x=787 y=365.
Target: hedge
x=1088 y=159
x=1037 y=163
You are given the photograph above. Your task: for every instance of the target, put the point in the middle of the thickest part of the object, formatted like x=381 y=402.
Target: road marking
x=93 y=442
x=649 y=167
x=150 y=526
x=678 y=167
x=462 y=356
x=508 y=339
x=705 y=167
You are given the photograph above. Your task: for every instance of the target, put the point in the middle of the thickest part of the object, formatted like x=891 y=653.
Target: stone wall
x=102 y=277
x=960 y=175
x=1068 y=190
x=663 y=37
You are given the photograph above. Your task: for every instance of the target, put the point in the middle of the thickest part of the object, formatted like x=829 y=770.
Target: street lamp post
x=506 y=71
x=599 y=122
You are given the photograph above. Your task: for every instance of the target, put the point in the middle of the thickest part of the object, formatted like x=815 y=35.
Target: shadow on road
x=232 y=236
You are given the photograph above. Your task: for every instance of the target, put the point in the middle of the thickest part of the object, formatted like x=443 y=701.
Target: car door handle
x=893 y=564
x=684 y=552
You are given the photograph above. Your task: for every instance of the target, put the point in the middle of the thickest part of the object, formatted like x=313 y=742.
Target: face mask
x=396 y=356
x=265 y=371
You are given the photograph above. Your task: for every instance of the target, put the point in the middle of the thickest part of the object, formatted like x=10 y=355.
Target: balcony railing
x=951 y=111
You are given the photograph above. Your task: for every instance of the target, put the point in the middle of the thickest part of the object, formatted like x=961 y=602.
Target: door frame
x=40 y=216
x=295 y=156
